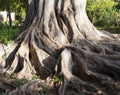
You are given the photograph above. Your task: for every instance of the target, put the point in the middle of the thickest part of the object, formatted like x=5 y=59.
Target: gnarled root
x=34 y=87
x=88 y=72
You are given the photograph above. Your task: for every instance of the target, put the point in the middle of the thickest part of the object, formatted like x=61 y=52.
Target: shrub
x=8 y=34
x=103 y=12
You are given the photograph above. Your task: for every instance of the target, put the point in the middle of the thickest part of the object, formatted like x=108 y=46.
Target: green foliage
x=19 y=81
x=56 y=79
x=17 y=6
x=35 y=77
x=8 y=34
x=118 y=18
x=103 y=12
x=9 y=76
x=14 y=79
x=3 y=5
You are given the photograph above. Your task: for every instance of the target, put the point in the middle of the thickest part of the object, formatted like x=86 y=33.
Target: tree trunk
x=9 y=13
x=59 y=40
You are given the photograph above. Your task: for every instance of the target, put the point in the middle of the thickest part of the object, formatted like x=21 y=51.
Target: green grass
x=8 y=34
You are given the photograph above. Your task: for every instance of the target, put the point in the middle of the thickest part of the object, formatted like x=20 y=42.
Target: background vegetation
x=17 y=6
x=104 y=14
x=8 y=34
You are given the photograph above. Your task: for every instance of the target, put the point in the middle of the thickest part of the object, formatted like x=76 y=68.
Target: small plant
x=10 y=76
x=56 y=79
x=19 y=81
x=7 y=76
x=14 y=79
x=35 y=77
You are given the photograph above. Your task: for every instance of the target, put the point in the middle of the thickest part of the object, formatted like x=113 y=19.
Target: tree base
x=90 y=69
x=61 y=41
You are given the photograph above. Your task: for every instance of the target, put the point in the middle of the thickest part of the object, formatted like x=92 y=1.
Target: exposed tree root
x=59 y=40
x=90 y=73
x=85 y=75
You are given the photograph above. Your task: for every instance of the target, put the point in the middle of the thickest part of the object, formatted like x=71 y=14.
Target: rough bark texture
x=58 y=39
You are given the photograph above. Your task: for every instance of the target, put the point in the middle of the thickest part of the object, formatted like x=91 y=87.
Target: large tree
x=59 y=40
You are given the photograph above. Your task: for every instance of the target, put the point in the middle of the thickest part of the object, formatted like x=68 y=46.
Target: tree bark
x=9 y=13
x=59 y=40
